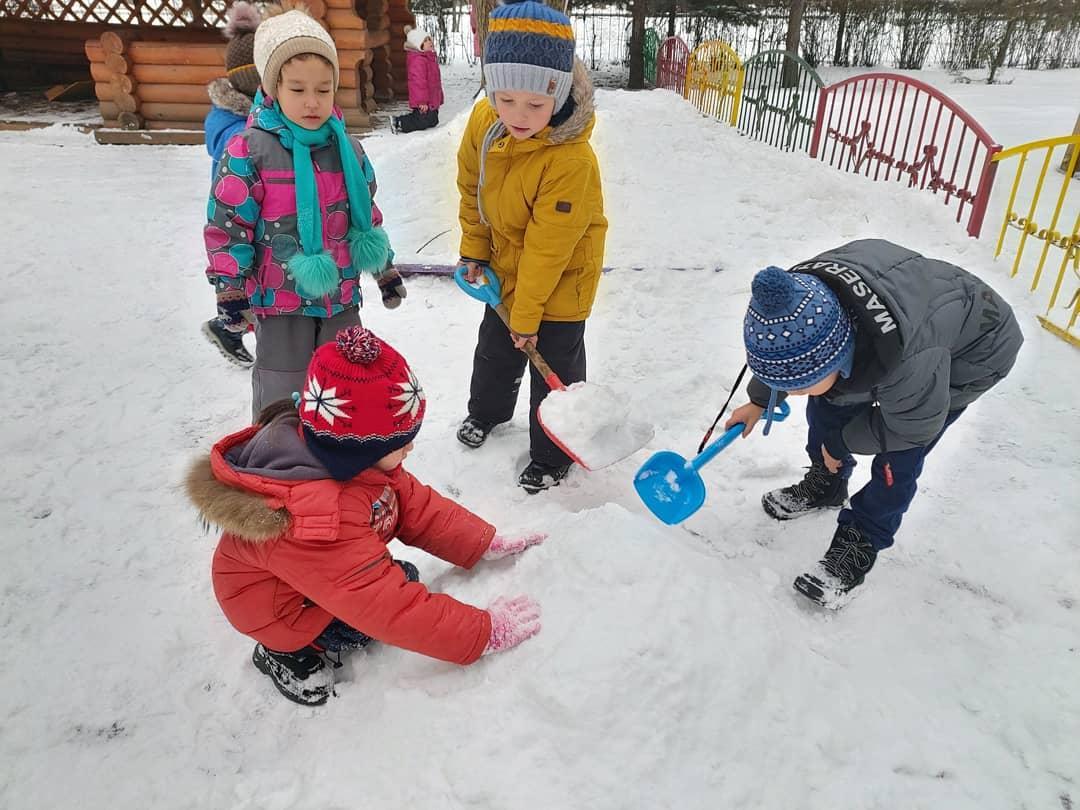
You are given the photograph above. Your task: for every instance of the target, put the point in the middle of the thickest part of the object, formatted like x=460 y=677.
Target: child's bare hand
x=521 y=340
x=473 y=271
x=748 y=414
x=512 y=621
x=505 y=546
x=831 y=464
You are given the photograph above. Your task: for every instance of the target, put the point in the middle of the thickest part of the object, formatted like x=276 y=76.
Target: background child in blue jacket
x=231 y=98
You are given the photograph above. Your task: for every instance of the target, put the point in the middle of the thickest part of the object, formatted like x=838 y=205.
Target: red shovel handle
x=550 y=377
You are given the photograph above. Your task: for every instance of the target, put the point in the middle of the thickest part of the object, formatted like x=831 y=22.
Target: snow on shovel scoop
x=589 y=422
x=671 y=486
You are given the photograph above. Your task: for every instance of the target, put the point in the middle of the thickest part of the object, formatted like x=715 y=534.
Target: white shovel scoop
x=589 y=422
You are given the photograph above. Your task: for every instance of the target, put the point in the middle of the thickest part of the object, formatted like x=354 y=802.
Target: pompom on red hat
x=360 y=402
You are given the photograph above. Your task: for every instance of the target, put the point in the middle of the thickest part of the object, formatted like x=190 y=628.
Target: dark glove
x=392 y=287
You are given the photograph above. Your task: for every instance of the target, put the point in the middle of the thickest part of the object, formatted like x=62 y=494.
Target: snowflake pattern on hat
x=411 y=396
x=324 y=401
x=361 y=402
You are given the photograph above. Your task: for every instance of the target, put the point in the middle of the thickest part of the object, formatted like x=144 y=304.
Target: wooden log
x=14 y=42
x=376 y=39
x=92 y=49
x=146 y=137
x=357 y=82
x=378 y=23
x=338 y=18
x=66 y=59
x=349 y=39
x=174 y=93
x=349 y=59
x=161 y=111
x=376 y=8
x=317 y=8
x=347 y=97
x=126 y=103
x=42 y=29
x=117 y=63
x=109 y=110
x=100 y=73
x=191 y=126
x=356 y=118
x=128 y=120
x=123 y=84
x=340 y=4
x=116 y=41
x=104 y=91
x=176 y=74
x=402 y=16
x=171 y=53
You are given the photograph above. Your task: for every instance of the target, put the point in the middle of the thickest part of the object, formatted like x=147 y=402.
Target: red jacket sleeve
x=419 y=92
x=356 y=581
x=438 y=525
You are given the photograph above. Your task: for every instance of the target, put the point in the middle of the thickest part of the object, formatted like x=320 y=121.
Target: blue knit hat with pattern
x=795 y=331
x=529 y=48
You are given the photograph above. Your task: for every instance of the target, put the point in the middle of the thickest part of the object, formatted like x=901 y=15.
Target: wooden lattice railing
x=165 y=13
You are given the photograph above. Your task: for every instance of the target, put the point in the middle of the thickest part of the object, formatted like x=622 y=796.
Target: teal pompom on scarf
x=313 y=268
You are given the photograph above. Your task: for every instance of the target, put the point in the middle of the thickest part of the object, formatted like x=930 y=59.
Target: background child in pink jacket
x=425 y=83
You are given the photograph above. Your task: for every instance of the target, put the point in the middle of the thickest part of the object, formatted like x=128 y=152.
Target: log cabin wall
x=150 y=65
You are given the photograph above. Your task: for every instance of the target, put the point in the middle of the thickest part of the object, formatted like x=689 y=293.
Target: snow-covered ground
x=676 y=667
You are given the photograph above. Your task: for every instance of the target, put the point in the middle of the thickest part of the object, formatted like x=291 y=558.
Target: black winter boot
x=303 y=677
x=229 y=343
x=474 y=432
x=843 y=568
x=819 y=490
x=538 y=476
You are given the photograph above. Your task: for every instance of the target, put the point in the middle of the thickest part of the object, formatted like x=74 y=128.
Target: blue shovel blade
x=669 y=488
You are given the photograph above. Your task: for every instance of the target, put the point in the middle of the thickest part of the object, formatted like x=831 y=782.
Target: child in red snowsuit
x=308 y=500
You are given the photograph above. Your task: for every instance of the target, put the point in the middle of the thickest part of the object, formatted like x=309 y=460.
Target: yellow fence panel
x=714 y=80
x=1035 y=226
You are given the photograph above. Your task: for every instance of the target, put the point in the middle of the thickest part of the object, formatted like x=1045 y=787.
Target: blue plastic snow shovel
x=671 y=486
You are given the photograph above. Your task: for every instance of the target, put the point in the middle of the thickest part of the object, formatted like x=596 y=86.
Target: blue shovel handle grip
x=782 y=412
x=489 y=291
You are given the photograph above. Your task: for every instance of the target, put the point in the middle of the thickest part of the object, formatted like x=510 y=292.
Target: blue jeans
x=876 y=509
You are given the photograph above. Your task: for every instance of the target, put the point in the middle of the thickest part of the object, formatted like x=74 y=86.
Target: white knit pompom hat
x=280 y=38
x=415 y=37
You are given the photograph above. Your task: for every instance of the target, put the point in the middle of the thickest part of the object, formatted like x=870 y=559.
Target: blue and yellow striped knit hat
x=529 y=48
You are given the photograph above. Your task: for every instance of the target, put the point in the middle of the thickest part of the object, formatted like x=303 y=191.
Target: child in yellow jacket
x=532 y=209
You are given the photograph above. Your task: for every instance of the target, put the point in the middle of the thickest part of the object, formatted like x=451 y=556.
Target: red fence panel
x=671 y=64
x=891 y=127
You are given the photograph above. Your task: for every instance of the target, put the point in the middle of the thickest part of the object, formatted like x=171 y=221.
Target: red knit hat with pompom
x=360 y=402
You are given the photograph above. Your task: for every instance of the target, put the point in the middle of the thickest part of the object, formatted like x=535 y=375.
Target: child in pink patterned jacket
x=425 y=83
x=291 y=219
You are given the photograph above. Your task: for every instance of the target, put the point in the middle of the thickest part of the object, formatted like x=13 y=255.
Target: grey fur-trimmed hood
x=224 y=95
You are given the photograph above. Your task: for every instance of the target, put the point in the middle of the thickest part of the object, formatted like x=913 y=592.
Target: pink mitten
x=512 y=621
x=505 y=546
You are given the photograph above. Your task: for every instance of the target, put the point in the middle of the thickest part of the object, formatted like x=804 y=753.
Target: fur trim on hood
x=224 y=95
x=245 y=514
x=582 y=92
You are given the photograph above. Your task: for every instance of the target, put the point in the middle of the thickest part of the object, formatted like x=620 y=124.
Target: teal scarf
x=313 y=268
